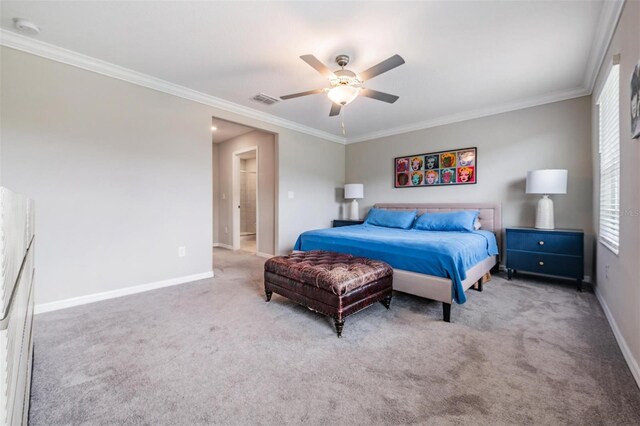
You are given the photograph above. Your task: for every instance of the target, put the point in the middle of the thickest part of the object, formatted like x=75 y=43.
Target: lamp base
x=544 y=213
x=354 y=214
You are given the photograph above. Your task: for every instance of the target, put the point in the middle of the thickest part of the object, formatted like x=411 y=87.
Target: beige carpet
x=521 y=352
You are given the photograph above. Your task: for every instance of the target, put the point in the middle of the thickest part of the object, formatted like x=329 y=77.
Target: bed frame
x=438 y=288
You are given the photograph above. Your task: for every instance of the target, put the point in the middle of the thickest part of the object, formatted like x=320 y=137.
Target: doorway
x=244 y=187
x=247 y=197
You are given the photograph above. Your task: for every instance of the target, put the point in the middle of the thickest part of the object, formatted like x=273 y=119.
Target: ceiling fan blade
x=380 y=96
x=318 y=66
x=335 y=109
x=297 y=95
x=384 y=66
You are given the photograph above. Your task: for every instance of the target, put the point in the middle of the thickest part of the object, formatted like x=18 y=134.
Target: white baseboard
x=626 y=352
x=222 y=245
x=112 y=294
x=265 y=255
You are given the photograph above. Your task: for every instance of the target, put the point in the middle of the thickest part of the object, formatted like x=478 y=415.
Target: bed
x=440 y=266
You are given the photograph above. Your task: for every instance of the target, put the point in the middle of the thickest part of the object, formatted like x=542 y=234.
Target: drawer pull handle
x=541 y=263
x=541 y=243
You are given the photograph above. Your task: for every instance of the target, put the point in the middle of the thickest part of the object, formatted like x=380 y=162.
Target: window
x=609 y=141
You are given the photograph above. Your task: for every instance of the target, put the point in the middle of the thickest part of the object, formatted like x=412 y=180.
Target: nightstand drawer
x=542 y=263
x=545 y=242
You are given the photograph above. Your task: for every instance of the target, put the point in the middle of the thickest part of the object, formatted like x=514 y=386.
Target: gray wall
x=266 y=187
x=619 y=290
x=556 y=135
x=215 y=203
x=122 y=176
x=314 y=173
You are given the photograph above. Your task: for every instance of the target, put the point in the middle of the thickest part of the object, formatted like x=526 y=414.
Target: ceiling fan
x=347 y=85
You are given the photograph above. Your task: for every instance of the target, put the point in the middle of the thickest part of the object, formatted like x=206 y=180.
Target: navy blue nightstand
x=558 y=252
x=346 y=222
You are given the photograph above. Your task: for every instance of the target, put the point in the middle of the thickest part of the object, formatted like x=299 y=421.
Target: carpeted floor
x=521 y=352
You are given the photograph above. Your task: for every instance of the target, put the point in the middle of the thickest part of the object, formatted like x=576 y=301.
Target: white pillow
x=477 y=225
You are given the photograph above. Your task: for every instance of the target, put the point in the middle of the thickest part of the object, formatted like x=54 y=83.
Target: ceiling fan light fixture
x=342 y=95
x=347 y=85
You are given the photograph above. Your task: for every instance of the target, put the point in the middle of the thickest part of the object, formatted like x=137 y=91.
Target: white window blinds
x=609 y=111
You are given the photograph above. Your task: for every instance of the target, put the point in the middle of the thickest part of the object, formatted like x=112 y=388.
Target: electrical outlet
x=606 y=271
x=182 y=251
x=224 y=196
x=291 y=195
x=226 y=229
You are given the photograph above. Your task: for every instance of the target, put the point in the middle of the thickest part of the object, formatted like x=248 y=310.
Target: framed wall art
x=455 y=167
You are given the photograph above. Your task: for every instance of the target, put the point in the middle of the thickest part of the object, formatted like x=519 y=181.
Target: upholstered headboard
x=490 y=214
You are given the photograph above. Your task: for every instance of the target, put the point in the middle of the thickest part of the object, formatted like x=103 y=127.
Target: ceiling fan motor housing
x=342 y=60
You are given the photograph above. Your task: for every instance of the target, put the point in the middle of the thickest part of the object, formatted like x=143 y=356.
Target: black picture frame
x=452 y=167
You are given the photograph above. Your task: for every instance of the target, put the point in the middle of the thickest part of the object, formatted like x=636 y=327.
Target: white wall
x=619 y=290
x=556 y=135
x=122 y=176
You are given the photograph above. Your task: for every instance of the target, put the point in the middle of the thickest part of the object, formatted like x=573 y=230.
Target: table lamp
x=547 y=181
x=354 y=191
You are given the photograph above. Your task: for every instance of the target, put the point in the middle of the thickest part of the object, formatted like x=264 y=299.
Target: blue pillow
x=449 y=221
x=391 y=218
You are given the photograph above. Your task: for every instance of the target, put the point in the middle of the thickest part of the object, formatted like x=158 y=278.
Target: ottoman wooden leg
x=268 y=293
x=386 y=302
x=339 y=325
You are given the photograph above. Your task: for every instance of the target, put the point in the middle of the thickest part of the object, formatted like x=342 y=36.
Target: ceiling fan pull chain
x=344 y=132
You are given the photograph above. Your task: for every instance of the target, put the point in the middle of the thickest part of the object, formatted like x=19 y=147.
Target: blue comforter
x=443 y=254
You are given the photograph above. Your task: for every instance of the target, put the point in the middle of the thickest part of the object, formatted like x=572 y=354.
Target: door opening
x=245 y=200
x=245 y=188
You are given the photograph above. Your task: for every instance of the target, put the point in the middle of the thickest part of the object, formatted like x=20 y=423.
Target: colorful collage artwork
x=456 y=167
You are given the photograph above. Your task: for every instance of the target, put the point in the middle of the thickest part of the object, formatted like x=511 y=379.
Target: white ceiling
x=226 y=130
x=462 y=57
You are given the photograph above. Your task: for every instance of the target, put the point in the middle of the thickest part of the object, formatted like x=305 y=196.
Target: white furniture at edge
x=16 y=306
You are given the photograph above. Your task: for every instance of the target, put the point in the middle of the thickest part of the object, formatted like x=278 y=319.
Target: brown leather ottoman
x=333 y=284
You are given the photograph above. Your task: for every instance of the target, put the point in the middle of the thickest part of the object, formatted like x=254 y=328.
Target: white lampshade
x=547 y=181
x=353 y=191
x=343 y=94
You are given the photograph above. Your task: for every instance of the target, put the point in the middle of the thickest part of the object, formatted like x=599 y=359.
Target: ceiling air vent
x=265 y=99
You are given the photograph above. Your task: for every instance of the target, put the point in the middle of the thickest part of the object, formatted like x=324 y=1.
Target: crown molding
x=478 y=113
x=607 y=22
x=69 y=57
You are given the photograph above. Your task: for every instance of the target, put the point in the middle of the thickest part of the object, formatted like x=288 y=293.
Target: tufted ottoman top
x=334 y=272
